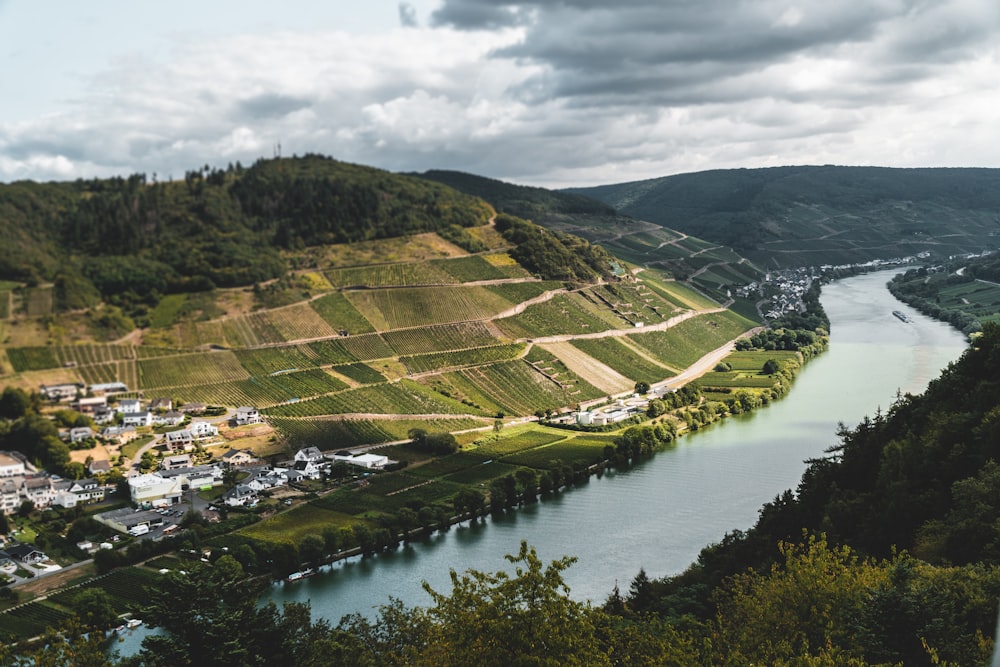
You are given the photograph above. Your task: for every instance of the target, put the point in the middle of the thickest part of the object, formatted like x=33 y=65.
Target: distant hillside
x=523 y=201
x=795 y=216
x=709 y=267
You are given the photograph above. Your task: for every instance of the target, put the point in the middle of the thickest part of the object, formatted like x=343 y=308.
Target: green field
x=469 y=269
x=422 y=306
x=683 y=344
x=441 y=338
x=476 y=356
x=518 y=440
x=580 y=450
x=391 y=275
x=563 y=314
x=519 y=387
x=617 y=354
x=404 y=397
x=190 y=369
x=340 y=314
x=294 y=524
x=32 y=358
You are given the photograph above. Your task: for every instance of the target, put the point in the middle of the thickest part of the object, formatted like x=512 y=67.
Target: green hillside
x=131 y=240
x=804 y=216
x=708 y=266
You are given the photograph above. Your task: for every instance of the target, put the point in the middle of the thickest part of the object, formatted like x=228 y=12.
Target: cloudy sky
x=544 y=92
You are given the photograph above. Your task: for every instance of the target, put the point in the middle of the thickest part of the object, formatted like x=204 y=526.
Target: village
x=152 y=503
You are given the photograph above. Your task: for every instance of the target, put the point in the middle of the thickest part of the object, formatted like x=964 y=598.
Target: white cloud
x=572 y=92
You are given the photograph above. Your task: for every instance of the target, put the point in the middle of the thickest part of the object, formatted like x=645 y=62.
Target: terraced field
x=624 y=358
x=340 y=314
x=441 y=338
x=190 y=369
x=682 y=345
x=563 y=314
x=404 y=397
x=597 y=373
x=414 y=307
x=476 y=356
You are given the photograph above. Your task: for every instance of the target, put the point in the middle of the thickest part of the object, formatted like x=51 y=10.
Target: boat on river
x=901 y=315
x=301 y=574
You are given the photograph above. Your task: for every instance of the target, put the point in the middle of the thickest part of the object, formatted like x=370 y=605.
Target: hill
x=131 y=240
x=707 y=266
x=349 y=304
x=806 y=216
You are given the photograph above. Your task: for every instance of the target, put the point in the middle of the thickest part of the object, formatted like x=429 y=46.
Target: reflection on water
x=659 y=514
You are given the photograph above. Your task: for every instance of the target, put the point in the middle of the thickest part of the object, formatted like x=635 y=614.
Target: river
x=660 y=513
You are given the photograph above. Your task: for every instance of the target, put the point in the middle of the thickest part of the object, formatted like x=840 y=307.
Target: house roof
x=22 y=551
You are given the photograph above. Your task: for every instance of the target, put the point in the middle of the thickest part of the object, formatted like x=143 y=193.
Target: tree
x=311 y=549
x=14 y=403
x=642 y=387
x=524 y=618
x=93 y=606
x=770 y=367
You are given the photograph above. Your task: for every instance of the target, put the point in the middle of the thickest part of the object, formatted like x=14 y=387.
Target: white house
x=267 y=480
x=70 y=493
x=311 y=469
x=129 y=405
x=138 y=419
x=38 y=490
x=175 y=462
x=247 y=415
x=239 y=457
x=241 y=494
x=309 y=454
x=171 y=418
x=10 y=495
x=202 y=429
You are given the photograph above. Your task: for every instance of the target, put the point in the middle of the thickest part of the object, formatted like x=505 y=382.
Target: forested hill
x=216 y=227
x=799 y=216
x=523 y=201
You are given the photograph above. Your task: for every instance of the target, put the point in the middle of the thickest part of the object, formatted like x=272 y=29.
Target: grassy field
x=414 y=307
x=292 y=525
x=441 y=338
x=340 y=314
x=682 y=345
x=563 y=314
x=624 y=358
x=476 y=356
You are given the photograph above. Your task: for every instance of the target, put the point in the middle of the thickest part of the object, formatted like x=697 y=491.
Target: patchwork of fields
x=447 y=343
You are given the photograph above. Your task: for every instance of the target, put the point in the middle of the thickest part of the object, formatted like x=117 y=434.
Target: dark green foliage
x=133 y=241
x=439 y=444
x=522 y=201
x=552 y=255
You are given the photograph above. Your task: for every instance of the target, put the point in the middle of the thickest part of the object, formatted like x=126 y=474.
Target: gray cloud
x=271 y=105
x=407 y=15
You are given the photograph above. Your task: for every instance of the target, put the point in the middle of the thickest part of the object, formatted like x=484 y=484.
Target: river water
x=659 y=514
